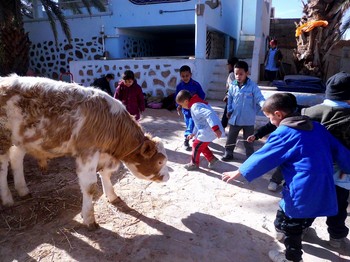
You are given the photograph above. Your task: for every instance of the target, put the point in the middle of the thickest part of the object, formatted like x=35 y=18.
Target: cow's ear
x=148 y=149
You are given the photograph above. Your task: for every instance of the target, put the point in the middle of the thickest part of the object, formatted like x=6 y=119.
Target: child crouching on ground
x=305 y=150
x=207 y=128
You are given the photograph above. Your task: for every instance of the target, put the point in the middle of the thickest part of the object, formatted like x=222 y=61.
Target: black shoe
x=227 y=158
x=187 y=146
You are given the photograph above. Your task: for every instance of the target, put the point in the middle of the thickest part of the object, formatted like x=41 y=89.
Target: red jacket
x=131 y=97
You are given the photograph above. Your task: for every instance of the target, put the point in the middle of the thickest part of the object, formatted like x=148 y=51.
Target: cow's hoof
x=27 y=196
x=7 y=201
x=22 y=191
x=115 y=201
x=93 y=226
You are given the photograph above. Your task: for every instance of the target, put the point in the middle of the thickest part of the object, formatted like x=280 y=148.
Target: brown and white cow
x=48 y=119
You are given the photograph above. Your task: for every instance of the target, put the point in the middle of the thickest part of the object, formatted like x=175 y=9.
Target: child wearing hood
x=305 y=151
x=207 y=127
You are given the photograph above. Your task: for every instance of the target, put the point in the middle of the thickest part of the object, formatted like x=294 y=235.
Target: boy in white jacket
x=207 y=127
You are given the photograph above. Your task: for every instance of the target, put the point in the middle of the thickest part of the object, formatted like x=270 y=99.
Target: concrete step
x=245 y=49
x=215 y=94
x=247 y=38
x=219 y=76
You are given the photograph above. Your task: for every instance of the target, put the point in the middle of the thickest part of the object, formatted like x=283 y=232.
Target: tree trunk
x=313 y=47
x=15 y=46
x=14 y=42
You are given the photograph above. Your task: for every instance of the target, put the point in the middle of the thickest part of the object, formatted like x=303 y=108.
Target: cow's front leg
x=86 y=170
x=6 y=195
x=16 y=158
x=107 y=186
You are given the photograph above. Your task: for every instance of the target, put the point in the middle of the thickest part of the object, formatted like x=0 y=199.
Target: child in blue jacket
x=207 y=127
x=244 y=99
x=187 y=83
x=305 y=151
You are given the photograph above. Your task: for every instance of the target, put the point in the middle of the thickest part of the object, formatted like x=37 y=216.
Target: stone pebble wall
x=47 y=59
x=157 y=77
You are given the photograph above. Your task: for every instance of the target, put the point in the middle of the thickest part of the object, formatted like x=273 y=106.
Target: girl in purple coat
x=130 y=94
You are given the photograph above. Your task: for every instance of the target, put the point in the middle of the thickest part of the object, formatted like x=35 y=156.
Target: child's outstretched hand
x=228 y=176
x=189 y=137
x=178 y=109
x=251 y=139
x=218 y=133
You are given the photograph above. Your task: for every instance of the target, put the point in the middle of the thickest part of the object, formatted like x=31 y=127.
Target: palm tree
x=314 y=46
x=14 y=41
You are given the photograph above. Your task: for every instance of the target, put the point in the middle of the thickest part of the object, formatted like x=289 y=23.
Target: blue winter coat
x=305 y=150
x=244 y=103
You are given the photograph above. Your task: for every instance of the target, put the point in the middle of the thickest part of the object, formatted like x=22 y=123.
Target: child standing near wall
x=130 y=94
x=207 y=128
x=244 y=96
x=187 y=83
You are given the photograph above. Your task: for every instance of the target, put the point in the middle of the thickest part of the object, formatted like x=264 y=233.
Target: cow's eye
x=160 y=162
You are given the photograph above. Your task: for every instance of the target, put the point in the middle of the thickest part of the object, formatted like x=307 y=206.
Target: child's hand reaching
x=218 y=133
x=251 y=139
x=178 y=109
x=189 y=137
x=228 y=176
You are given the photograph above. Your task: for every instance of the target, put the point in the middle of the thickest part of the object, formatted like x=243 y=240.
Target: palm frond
x=52 y=11
x=99 y=5
x=87 y=5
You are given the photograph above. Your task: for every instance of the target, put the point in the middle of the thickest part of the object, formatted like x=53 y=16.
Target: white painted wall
x=249 y=12
x=262 y=28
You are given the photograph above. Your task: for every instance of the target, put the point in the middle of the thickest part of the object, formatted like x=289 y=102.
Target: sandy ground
x=193 y=217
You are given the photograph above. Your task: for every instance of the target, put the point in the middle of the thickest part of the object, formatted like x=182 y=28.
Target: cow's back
x=52 y=118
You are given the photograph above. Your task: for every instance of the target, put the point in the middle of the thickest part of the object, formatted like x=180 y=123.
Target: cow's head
x=149 y=161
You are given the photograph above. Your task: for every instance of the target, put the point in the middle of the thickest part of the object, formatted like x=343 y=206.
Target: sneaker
x=272 y=186
x=191 y=167
x=335 y=242
x=279 y=256
x=186 y=145
x=213 y=163
x=280 y=235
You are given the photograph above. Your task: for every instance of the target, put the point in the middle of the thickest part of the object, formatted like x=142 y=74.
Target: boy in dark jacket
x=103 y=83
x=334 y=114
x=304 y=149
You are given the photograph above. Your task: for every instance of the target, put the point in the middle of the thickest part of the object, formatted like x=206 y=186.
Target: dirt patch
x=193 y=217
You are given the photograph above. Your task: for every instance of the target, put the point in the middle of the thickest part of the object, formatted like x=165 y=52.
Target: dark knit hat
x=338 y=87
